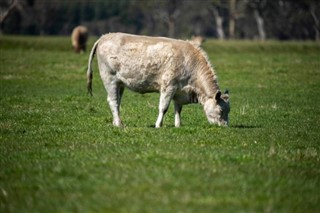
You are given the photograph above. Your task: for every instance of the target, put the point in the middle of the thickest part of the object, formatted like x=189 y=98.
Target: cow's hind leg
x=120 y=93
x=115 y=92
x=165 y=98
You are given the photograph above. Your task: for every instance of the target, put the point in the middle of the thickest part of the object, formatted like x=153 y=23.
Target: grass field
x=60 y=153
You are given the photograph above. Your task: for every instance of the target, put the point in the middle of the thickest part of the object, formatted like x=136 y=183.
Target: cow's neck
x=206 y=85
x=204 y=79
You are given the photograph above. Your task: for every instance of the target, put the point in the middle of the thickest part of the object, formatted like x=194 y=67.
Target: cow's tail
x=89 y=71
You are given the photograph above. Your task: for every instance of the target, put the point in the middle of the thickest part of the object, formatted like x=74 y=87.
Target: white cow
x=176 y=69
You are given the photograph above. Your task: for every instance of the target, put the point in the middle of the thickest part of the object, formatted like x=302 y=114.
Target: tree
x=6 y=9
x=232 y=18
x=16 y=14
x=257 y=7
x=214 y=8
x=314 y=9
x=168 y=13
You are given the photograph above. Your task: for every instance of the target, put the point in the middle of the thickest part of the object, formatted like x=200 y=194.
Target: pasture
x=60 y=153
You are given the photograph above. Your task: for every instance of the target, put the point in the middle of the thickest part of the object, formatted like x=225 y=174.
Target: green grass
x=60 y=153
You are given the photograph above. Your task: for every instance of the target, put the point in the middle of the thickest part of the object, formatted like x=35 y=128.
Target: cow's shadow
x=244 y=126
x=236 y=126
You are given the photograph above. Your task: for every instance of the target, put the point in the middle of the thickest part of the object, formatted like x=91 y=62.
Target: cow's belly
x=143 y=68
x=139 y=81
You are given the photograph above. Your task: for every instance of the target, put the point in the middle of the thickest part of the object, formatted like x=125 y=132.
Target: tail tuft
x=89 y=84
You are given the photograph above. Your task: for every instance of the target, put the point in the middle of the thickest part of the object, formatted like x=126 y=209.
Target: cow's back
x=143 y=63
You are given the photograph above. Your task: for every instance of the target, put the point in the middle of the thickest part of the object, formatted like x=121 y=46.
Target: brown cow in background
x=79 y=39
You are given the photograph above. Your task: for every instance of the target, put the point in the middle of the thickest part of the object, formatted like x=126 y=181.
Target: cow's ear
x=225 y=97
x=218 y=95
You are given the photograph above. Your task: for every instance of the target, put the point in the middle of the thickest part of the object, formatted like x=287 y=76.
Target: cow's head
x=217 y=109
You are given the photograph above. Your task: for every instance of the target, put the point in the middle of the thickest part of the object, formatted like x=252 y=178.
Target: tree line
x=221 y=19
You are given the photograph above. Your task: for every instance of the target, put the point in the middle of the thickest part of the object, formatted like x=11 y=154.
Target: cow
x=177 y=69
x=79 y=39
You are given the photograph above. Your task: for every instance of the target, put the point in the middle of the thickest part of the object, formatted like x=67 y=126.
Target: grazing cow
x=176 y=69
x=79 y=39
x=197 y=40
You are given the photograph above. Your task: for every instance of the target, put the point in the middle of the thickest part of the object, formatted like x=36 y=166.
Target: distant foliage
x=223 y=19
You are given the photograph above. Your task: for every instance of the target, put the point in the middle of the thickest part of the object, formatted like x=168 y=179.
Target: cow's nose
x=224 y=123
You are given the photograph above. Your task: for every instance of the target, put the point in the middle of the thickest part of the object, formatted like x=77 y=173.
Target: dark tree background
x=222 y=19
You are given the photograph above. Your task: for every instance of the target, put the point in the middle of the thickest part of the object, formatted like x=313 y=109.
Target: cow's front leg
x=177 y=114
x=165 y=98
x=114 y=98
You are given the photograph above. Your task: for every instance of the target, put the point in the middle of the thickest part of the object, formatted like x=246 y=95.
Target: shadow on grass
x=237 y=126
x=243 y=126
x=153 y=126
